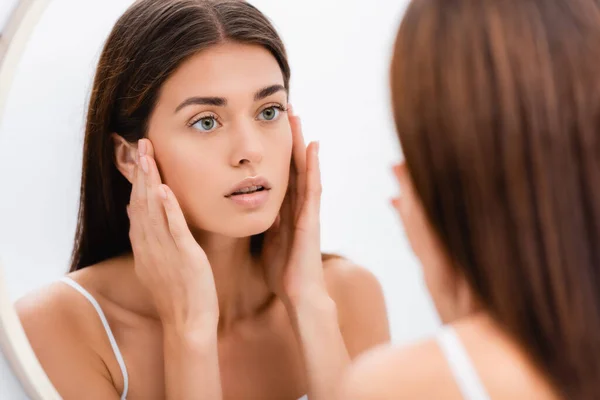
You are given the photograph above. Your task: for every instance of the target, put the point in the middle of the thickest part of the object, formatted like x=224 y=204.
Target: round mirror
x=48 y=55
x=21 y=375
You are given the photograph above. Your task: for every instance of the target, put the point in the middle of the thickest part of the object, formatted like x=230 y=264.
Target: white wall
x=6 y=8
x=339 y=53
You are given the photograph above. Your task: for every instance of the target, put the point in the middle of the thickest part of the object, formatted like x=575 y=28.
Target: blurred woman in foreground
x=497 y=107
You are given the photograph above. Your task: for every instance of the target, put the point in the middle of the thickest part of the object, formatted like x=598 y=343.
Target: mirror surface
x=339 y=87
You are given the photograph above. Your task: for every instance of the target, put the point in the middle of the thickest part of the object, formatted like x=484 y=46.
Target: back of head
x=497 y=106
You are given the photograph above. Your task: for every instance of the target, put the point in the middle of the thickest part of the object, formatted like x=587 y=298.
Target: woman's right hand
x=176 y=271
x=168 y=260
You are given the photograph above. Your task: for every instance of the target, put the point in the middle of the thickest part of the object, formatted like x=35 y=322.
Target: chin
x=244 y=225
x=251 y=227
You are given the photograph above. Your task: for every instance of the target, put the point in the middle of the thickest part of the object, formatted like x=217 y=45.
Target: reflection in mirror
x=21 y=375
x=218 y=116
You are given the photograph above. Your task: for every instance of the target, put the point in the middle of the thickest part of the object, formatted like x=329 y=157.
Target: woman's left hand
x=292 y=247
x=294 y=271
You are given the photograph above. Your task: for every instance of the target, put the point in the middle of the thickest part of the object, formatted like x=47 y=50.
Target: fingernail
x=163 y=192
x=144 y=164
x=142 y=147
x=317 y=145
x=290 y=109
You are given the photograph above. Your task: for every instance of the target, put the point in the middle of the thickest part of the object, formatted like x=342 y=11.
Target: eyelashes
x=205 y=123
x=208 y=122
x=274 y=112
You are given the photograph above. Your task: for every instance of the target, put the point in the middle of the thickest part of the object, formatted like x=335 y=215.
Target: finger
x=139 y=205
x=298 y=153
x=291 y=195
x=148 y=166
x=313 y=180
x=153 y=179
x=286 y=216
x=178 y=227
x=157 y=220
x=134 y=179
x=146 y=147
x=157 y=224
x=140 y=201
x=136 y=206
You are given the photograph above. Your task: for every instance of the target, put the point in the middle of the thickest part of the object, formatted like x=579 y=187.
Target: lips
x=249 y=186
x=248 y=190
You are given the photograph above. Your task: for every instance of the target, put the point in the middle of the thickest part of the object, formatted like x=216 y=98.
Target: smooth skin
x=193 y=315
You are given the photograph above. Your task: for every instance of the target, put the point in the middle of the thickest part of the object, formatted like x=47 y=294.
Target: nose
x=247 y=147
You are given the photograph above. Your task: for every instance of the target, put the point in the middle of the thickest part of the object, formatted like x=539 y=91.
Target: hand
x=168 y=260
x=292 y=247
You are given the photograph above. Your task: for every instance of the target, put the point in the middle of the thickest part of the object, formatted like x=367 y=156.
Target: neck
x=239 y=279
x=241 y=288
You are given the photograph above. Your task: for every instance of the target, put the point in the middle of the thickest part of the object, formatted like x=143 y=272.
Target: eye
x=205 y=124
x=270 y=113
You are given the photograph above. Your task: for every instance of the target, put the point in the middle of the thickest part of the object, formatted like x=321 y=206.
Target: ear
x=126 y=156
x=406 y=201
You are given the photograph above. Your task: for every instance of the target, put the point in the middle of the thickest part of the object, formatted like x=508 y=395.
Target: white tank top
x=460 y=364
x=111 y=337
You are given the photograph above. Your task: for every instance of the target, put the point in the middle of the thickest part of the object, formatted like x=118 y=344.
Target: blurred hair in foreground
x=497 y=105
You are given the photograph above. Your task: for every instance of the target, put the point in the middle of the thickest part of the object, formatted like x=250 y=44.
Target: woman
x=197 y=271
x=497 y=107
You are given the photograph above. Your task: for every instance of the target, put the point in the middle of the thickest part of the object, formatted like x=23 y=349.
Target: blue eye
x=206 y=124
x=270 y=113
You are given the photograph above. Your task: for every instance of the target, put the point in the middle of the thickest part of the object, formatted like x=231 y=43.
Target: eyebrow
x=209 y=101
x=222 y=102
x=268 y=91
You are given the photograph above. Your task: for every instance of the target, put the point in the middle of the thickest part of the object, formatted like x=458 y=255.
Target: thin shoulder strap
x=111 y=337
x=464 y=373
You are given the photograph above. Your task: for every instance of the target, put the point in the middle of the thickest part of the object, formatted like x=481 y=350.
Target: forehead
x=228 y=70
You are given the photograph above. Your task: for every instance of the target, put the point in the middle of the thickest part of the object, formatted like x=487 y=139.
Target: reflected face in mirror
x=220 y=119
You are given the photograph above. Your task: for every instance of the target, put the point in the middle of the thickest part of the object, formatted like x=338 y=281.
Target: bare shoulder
x=59 y=311
x=342 y=275
x=360 y=302
x=50 y=313
x=65 y=337
x=421 y=370
x=417 y=371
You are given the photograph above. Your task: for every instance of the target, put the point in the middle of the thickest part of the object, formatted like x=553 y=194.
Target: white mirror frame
x=14 y=345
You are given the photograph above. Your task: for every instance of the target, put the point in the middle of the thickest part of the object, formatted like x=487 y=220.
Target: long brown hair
x=145 y=47
x=497 y=106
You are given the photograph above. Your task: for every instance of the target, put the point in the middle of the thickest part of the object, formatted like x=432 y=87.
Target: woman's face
x=220 y=126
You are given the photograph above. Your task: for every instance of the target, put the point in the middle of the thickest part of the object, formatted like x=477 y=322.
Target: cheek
x=285 y=156
x=188 y=173
x=282 y=146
